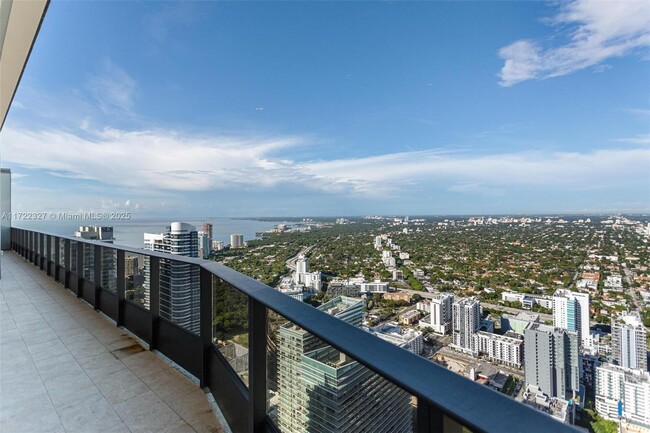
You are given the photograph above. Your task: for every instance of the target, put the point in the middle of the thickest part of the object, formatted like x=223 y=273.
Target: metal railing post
x=97 y=271
x=120 y=286
x=257 y=364
x=154 y=296
x=48 y=253
x=57 y=257
x=206 y=324
x=80 y=268
x=67 y=265
x=429 y=418
x=41 y=249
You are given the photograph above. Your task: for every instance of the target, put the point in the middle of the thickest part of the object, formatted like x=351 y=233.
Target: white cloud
x=598 y=31
x=160 y=162
x=638 y=139
x=113 y=89
x=568 y=170
x=151 y=159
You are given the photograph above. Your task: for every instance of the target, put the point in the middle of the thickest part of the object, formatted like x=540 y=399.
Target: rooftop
x=68 y=368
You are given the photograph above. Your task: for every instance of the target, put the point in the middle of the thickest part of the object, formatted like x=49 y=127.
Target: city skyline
x=376 y=110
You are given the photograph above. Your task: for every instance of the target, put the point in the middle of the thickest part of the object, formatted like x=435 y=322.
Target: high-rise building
x=179 y=282
x=441 y=313
x=551 y=360
x=625 y=387
x=629 y=344
x=377 y=242
x=109 y=257
x=217 y=245
x=302 y=266
x=571 y=312
x=204 y=245
x=205 y=241
x=342 y=395
x=466 y=321
x=322 y=390
x=302 y=276
x=207 y=229
x=236 y=240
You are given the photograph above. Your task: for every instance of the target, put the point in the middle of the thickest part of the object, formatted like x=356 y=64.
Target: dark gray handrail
x=472 y=405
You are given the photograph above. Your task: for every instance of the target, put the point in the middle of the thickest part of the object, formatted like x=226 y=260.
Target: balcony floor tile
x=66 y=368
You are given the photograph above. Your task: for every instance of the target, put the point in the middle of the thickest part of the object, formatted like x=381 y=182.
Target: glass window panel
x=180 y=294
x=137 y=279
x=109 y=269
x=89 y=262
x=311 y=386
x=52 y=248
x=230 y=325
x=73 y=257
x=62 y=252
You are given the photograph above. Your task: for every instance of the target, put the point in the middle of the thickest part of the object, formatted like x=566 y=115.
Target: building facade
x=623 y=391
x=506 y=349
x=571 y=312
x=551 y=360
x=466 y=321
x=629 y=344
x=342 y=395
x=204 y=245
x=179 y=282
x=441 y=313
x=109 y=257
x=236 y=240
x=322 y=390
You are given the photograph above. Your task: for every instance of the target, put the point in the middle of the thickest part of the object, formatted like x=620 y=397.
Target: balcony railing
x=226 y=334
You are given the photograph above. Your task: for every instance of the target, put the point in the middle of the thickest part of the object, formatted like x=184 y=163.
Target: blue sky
x=334 y=108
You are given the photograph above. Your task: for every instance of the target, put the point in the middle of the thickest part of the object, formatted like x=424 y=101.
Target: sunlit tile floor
x=67 y=368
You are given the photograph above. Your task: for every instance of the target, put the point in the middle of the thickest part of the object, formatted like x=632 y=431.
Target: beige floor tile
x=169 y=384
x=67 y=368
x=92 y=414
x=147 y=413
x=121 y=386
x=144 y=363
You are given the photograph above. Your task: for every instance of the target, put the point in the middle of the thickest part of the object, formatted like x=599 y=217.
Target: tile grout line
x=125 y=365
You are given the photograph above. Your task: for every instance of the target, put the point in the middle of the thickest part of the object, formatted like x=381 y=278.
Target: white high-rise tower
x=179 y=282
x=571 y=312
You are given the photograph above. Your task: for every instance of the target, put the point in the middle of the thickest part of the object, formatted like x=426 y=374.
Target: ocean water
x=131 y=232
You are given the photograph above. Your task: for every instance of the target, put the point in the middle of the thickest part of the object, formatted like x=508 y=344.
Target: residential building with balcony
x=629 y=341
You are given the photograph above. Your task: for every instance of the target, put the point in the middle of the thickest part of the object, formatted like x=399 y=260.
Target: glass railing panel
x=89 y=262
x=52 y=252
x=109 y=269
x=180 y=294
x=74 y=251
x=137 y=279
x=312 y=386
x=230 y=325
x=62 y=253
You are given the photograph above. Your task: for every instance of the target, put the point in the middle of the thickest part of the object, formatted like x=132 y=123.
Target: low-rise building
x=424 y=305
x=409 y=339
x=528 y=301
x=614 y=280
x=374 y=287
x=398 y=296
x=558 y=408
x=507 y=349
x=518 y=323
x=409 y=317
